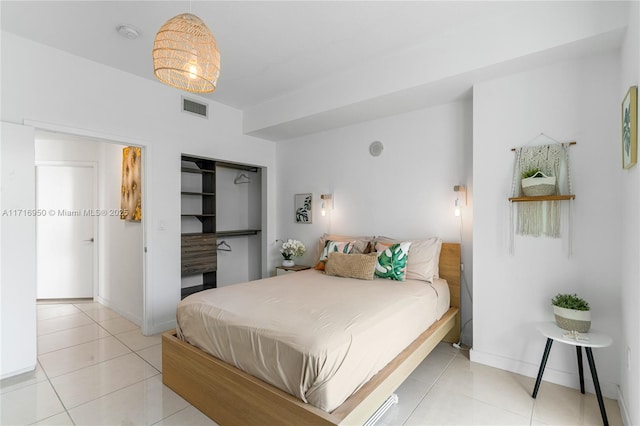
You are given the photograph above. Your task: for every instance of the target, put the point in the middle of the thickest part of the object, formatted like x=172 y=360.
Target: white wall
x=572 y=101
x=88 y=98
x=407 y=192
x=238 y=207
x=629 y=360
x=17 y=251
x=119 y=242
x=121 y=277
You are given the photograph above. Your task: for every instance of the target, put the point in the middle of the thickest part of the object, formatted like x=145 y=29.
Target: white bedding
x=315 y=336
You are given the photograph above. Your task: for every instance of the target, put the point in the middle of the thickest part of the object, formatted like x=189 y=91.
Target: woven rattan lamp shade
x=185 y=55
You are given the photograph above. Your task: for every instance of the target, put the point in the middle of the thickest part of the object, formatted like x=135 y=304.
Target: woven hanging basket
x=185 y=55
x=539 y=185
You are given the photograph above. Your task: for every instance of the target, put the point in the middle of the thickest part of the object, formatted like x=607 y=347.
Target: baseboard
x=128 y=315
x=626 y=419
x=18 y=372
x=571 y=380
x=153 y=328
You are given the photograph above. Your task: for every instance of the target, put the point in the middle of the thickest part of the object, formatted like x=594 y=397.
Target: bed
x=230 y=395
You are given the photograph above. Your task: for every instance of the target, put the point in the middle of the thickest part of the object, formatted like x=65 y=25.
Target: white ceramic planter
x=573 y=320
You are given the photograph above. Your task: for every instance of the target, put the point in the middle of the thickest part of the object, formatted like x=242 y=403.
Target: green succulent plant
x=570 y=301
x=530 y=173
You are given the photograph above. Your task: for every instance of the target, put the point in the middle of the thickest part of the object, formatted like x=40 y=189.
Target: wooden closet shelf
x=234 y=233
x=197 y=171
x=544 y=198
x=237 y=166
x=237 y=232
x=197 y=193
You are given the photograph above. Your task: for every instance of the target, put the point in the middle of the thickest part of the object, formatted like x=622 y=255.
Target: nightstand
x=282 y=270
x=592 y=339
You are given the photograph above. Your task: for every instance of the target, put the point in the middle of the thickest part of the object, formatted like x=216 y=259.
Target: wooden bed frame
x=232 y=397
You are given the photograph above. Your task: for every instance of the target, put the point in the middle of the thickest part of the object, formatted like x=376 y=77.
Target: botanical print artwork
x=131 y=193
x=629 y=128
x=626 y=133
x=302 y=205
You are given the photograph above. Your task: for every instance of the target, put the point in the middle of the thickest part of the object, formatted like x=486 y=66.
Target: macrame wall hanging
x=536 y=202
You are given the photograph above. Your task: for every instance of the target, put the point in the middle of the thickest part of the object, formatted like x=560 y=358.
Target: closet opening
x=221 y=223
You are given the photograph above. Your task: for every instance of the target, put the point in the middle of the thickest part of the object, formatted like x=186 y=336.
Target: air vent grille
x=194 y=107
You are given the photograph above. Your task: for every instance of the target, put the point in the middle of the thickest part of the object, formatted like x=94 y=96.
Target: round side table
x=592 y=339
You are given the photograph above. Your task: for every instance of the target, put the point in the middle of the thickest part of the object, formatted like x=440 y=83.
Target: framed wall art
x=131 y=194
x=302 y=206
x=630 y=128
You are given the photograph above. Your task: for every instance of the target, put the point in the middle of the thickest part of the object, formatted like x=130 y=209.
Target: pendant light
x=185 y=55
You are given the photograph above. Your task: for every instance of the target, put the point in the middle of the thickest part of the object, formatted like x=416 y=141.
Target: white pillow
x=424 y=256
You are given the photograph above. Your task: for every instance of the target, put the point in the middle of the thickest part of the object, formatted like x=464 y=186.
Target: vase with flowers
x=290 y=249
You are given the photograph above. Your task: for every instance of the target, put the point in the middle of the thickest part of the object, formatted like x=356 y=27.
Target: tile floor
x=96 y=368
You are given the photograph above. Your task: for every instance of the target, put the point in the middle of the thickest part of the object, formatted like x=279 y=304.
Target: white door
x=65 y=231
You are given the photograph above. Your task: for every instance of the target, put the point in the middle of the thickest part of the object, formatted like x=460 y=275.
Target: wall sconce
x=461 y=199
x=327 y=199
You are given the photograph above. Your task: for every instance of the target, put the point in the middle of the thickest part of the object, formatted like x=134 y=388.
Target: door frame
x=94 y=205
x=146 y=172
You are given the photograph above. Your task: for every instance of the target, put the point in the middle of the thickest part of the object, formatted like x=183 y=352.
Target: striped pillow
x=331 y=247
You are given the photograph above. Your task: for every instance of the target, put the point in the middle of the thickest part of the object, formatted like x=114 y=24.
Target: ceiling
x=338 y=59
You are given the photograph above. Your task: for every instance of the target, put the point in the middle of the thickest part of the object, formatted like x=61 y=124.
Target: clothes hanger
x=242 y=178
x=223 y=246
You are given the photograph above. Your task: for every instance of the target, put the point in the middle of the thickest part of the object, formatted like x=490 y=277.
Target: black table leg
x=579 y=351
x=596 y=383
x=543 y=363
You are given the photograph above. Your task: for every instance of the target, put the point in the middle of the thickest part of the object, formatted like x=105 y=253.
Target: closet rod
x=237 y=166
x=570 y=143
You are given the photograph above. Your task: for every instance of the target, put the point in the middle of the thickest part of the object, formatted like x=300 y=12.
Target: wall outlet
x=462 y=266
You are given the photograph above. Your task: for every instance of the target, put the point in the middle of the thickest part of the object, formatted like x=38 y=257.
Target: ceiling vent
x=193 y=107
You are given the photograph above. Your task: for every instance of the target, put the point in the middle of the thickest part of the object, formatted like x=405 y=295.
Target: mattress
x=314 y=336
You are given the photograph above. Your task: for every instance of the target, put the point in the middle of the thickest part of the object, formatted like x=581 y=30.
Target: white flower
x=292 y=248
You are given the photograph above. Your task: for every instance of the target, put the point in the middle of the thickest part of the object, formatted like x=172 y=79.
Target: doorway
x=66 y=227
x=117 y=271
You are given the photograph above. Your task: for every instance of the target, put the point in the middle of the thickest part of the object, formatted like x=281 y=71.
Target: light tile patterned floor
x=96 y=368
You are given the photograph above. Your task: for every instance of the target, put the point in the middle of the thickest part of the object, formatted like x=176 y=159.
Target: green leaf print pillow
x=392 y=261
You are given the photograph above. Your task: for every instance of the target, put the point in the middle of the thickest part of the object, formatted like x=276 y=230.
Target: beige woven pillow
x=361 y=266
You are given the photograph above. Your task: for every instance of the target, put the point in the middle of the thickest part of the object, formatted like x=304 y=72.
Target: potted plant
x=291 y=248
x=572 y=312
x=537 y=184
